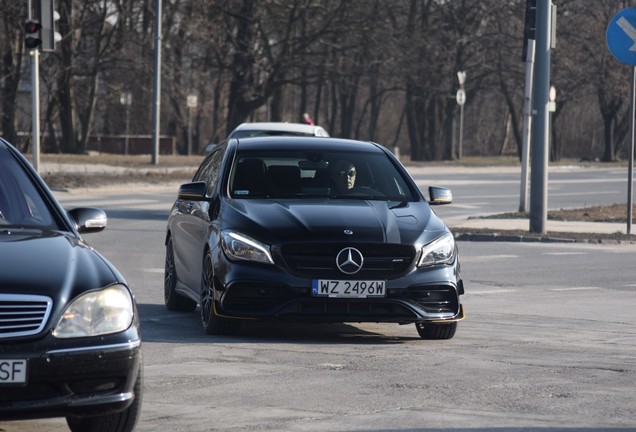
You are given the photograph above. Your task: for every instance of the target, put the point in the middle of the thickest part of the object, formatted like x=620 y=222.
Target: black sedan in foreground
x=310 y=229
x=70 y=344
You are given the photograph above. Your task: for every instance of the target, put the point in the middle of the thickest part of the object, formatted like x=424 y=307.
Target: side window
x=204 y=169
x=20 y=201
x=213 y=171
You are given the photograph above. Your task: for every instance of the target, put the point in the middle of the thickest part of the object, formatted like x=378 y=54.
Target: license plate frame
x=14 y=372
x=353 y=289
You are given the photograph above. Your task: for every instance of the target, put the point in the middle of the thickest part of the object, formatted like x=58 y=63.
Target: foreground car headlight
x=96 y=313
x=241 y=247
x=439 y=251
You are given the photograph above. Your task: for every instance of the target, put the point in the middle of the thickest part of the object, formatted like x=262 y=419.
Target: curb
x=502 y=237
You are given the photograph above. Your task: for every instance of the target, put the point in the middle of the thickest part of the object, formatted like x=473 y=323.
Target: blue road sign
x=621 y=36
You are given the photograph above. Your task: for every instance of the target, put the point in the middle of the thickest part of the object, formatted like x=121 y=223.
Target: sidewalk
x=551 y=225
x=494 y=229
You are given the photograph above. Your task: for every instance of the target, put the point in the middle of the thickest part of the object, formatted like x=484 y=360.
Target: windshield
x=307 y=174
x=21 y=204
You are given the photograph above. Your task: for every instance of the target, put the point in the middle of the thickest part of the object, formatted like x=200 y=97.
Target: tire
x=213 y=324
x=172 y=299
x=436 y=331
x=122 y=421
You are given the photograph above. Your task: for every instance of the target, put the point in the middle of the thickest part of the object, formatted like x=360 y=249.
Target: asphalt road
x=549 y=342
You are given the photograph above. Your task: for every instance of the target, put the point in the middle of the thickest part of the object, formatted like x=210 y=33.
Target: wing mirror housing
x=88 y=219
x=194 y=191
x=440 y=195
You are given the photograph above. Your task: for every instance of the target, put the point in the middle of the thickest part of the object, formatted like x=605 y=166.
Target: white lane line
x=487 y=257
x=491 y=291
x=564 y=253
x=576 y=289
x=153 y=270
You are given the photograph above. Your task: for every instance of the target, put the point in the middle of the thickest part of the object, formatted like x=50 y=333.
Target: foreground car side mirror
x=88 y=219
x=192 y=191
x=439 y=195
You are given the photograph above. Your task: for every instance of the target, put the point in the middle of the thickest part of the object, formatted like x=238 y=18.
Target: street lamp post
x=126 y=100
x=192 y=103
x=461 y=100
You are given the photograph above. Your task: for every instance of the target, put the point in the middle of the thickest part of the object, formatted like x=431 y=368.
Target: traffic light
x=32 y=37
x=45 y=10
x=530 y=26
x=40 y=30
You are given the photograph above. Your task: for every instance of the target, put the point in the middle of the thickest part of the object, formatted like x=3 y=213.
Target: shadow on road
x=161 y=325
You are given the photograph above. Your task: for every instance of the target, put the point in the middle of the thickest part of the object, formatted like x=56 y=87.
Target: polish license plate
x=348 y=288
x=13 y=371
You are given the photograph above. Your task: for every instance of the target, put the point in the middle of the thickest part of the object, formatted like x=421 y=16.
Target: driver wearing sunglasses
x=344 y=176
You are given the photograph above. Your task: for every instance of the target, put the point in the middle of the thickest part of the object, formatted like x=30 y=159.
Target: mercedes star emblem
x=349 y=260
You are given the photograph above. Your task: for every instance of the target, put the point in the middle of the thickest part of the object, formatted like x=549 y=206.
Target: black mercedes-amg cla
x=311 y=230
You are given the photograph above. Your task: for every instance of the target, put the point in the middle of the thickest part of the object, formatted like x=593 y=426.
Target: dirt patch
x=79 y=180
x=606 y=213
x=616 y=213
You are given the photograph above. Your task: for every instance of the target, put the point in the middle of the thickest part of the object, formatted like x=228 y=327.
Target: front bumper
x=94 y=377
x=245 y=290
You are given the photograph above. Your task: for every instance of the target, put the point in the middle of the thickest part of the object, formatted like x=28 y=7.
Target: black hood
x=50 y=263
x=290 y=220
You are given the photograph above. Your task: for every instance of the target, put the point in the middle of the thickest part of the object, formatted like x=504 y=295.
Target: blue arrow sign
x=621 y=36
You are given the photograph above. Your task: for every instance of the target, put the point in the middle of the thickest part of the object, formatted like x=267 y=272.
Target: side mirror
x=192 y=191
x=88 y=219
x=440 y=195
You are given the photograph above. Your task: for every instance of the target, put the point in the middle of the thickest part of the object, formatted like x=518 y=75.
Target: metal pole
x=540 y=127
x=189 y=131
x=35 y=98
x=527 y=125
x=461 y=130
x=35 y=107
x=157 y=85
x=127 y=123
x=630 y=170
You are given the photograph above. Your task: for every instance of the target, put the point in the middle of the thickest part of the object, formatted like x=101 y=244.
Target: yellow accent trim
x=459 y=317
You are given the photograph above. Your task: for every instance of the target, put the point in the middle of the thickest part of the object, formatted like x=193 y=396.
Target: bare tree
x=12 y=14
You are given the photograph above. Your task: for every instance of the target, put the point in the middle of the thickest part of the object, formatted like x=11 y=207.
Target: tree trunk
x=608 y=154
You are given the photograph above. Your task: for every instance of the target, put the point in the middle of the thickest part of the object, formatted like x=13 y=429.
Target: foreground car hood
x=327 y=220
x=50 y=263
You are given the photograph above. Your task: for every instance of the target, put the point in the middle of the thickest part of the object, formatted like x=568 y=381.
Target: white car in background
x=259 y=129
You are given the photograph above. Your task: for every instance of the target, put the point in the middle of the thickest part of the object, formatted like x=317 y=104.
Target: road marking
x=491 y=291
x=576 y=289
x=153 y=270
x=565 y=253
x=487 y=257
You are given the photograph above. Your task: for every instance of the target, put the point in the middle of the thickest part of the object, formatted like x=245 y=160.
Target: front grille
x=383 y=261
x=23 y=315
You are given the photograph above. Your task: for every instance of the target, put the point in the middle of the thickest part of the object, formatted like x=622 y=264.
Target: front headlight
x=97 y=313
x=241 y=247
x=439 y=251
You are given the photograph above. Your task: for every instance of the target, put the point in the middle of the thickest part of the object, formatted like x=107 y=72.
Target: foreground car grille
x=23 y=315
x=380 y=260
